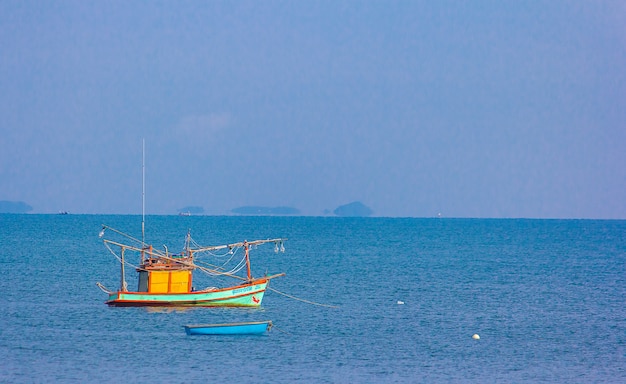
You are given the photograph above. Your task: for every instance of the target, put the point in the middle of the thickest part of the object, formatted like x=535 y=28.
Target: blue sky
x=415 y=108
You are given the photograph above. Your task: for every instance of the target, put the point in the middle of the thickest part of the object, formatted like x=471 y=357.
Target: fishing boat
x=246 y=328
x=166 y=279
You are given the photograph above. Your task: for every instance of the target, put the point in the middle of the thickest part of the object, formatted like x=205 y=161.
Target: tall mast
x=143 y=192
x=245 y=247
x=123 y=285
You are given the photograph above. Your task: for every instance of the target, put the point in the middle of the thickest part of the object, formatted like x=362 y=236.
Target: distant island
x=265 y=211
x=354 y=209
x=191 y=210
x=14 y=207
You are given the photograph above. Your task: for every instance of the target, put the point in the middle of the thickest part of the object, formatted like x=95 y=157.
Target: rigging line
x=222 y=267
x=212 y=267
x=120 y=259
x=304 y=301
x=230 y=251
x=217 y=273
x=224 y=254
x=214 y=270
x=207 y=265
x=239 y=266
x=123 y=234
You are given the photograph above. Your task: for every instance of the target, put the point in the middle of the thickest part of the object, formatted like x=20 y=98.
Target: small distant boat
x=246 y=328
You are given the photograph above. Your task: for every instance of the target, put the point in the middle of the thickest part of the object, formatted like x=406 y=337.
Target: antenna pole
x=143 y=192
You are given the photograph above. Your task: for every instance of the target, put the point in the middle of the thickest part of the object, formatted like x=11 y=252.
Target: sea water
x=380 y=300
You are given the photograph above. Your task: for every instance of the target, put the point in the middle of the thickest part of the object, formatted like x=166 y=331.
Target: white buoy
x=475 y=336
x=400 y=302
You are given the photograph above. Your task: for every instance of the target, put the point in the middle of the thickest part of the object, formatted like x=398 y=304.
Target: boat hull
x=245 y=295
x=248 y=328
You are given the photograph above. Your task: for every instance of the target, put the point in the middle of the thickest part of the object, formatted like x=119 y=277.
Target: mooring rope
x=280 y=330
x=303 y=300
x=103 y=288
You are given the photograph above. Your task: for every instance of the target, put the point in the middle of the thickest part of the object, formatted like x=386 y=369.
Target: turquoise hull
x=246 y=295
x=249 y=328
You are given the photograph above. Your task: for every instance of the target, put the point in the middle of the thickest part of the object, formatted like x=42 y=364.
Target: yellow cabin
x=172 y=281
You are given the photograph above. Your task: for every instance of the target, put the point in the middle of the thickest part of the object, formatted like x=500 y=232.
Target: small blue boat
x=247 y=328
